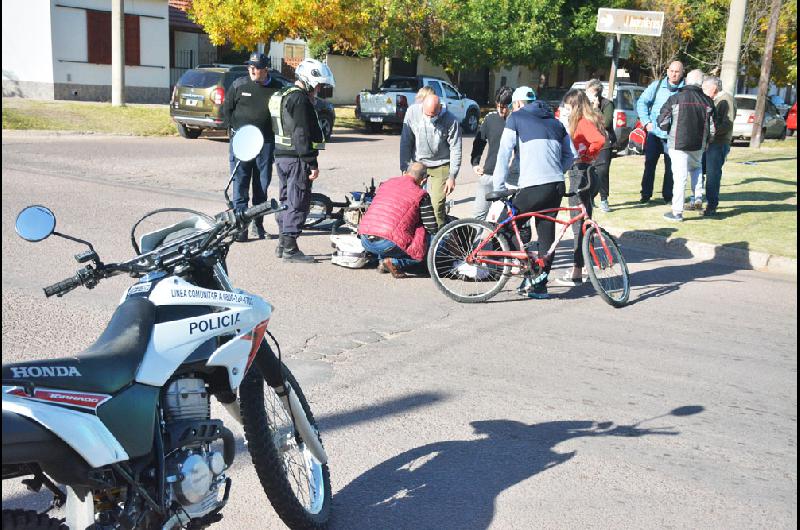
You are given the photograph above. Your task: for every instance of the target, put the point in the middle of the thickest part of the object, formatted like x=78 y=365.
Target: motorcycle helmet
x=313 y=72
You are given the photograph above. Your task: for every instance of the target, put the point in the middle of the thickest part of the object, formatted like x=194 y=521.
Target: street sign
x=630 y=22
x=624 y=47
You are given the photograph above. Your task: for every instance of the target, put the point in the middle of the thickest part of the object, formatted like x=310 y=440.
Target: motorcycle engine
x=194 y=469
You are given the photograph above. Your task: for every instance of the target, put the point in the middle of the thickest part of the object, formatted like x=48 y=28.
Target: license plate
x=191 y=102
x=376 y=119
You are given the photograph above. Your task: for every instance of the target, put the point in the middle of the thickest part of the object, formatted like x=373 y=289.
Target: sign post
x=627 y=22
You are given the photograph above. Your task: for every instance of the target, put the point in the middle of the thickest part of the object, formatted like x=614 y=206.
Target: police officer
x=298 y=138
x=247 y=103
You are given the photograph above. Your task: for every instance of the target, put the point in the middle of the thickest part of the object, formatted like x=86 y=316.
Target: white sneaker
x=698 y=204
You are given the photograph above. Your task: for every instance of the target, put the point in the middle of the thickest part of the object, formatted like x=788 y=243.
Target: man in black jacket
x=298 y=141
x=247 y=104
x=490 y=131
x=687 y=117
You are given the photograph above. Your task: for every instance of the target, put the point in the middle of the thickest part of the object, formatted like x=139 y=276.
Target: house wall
x=27 y=51
x=52 y=41
x=352 y=74
x=425 y=67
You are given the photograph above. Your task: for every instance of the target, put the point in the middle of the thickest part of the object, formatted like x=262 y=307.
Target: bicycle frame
x=483 y=257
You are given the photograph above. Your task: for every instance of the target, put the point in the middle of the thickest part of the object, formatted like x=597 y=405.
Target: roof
x=178 y=18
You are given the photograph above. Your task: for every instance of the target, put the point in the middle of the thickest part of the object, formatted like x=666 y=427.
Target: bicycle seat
x=499 y=195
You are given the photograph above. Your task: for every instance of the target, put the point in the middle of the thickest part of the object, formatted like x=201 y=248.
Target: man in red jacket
x=397 y=225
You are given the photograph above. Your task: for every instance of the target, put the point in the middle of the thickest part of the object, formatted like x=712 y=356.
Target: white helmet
x=313 y=72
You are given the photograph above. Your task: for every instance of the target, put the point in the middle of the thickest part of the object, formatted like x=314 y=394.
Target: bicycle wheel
x=297 y=484
x=319 y=210
x=447 y=261
x=607 y=269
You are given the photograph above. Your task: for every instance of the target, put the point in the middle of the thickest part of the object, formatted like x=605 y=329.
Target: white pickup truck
x=389 y=104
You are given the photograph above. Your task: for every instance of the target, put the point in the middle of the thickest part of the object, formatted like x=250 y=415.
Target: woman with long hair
x=586 y=128
x=594 y=91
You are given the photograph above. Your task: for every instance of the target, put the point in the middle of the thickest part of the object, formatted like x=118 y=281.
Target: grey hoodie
x=432 y=143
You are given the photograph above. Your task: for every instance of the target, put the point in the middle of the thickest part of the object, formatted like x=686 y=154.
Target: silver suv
x=625 y=117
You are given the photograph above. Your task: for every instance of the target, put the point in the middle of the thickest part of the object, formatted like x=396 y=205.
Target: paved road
x=679 y=410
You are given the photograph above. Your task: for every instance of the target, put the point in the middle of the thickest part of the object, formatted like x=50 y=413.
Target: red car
x=791 y=120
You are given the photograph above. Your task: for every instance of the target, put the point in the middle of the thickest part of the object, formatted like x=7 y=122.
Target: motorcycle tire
x=319 y=210
x=30 y=520
x=296 y=484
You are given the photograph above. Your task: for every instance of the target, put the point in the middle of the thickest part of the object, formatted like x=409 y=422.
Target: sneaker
x=539 y=291
x=698 y=204
x=569 y=281
x=525 y=286
x=710 y=212
x=604 y=206
x=669 y=216
x=689 y=204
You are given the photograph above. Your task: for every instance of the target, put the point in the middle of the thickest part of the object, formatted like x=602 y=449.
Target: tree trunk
x=377 y=63
x=763 y=83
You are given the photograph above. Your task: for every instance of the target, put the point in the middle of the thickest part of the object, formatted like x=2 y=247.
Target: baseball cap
x=259 y=60
x=523 y=93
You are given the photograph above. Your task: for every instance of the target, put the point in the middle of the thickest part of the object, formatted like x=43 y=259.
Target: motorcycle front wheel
x=297 y=484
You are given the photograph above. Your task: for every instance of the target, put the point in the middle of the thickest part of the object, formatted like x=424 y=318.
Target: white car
x=774 y=125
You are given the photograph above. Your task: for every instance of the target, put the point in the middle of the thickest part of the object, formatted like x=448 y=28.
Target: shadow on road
x=454 y=484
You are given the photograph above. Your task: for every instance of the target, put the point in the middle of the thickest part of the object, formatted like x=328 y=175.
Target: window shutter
x=98 y=34
x=132 y=56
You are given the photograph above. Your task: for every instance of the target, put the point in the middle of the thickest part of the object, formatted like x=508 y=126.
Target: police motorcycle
x=126 y=425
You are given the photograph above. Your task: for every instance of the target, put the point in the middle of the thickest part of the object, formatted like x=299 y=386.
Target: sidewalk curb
x=721 y=254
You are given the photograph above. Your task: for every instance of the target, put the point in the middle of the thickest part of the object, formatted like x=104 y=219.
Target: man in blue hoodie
x=545 y=153
x=648 y=108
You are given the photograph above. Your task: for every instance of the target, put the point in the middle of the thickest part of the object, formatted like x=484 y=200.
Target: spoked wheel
x=606 y=266
x=453 y=275
x=319 y=210
x=297 y=484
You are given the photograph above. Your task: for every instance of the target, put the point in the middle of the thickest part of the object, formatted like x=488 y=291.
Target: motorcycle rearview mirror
x=35 y=223
x=246 y=143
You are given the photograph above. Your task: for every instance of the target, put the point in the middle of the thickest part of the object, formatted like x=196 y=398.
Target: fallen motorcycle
x=349 y=212
x=126 y=425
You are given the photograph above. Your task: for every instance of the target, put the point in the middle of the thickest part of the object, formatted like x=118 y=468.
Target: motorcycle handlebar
x=262 y=209
x=63 y=286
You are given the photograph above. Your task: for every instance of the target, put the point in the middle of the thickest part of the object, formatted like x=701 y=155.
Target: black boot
x=292 y=253
x=279 y=248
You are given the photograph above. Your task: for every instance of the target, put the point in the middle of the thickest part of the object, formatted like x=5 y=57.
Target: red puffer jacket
x=394 y=215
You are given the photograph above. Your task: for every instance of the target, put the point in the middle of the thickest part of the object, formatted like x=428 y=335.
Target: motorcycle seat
x=106 y=366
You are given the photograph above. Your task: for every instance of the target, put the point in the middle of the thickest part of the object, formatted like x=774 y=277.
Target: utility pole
x=766 y=67
x=118 y=53
x=733 y=44
x=612 y=75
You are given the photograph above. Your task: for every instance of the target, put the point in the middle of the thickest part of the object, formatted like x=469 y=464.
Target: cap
x=523 y=93
x=259 y=60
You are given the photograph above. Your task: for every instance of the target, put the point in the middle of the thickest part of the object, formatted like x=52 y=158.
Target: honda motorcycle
x=126 y=425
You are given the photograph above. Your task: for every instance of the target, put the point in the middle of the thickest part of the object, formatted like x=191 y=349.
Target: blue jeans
x=383 y=248
x=653 y=148
x=256 y=172
x=715 y=156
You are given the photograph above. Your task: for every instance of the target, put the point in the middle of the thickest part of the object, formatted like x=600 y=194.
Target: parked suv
x=625 y=117
x=198 y=96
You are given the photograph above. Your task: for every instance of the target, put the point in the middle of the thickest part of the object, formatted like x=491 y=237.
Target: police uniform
x=298 y=138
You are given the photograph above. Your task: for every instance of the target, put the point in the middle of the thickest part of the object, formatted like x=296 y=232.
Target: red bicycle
x=470 y=260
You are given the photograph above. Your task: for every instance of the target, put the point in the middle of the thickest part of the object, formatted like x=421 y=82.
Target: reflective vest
x=283 y=124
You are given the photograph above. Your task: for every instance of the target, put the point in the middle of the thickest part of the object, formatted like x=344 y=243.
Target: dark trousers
x=603 y=165
x=256 y=173
x=713 y=158
x=531 y=199
x=295 y=193
x=576 y=177
x=654 y=147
